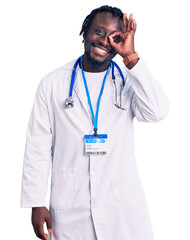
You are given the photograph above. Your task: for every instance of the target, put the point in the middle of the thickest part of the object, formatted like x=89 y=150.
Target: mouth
x=99 y=50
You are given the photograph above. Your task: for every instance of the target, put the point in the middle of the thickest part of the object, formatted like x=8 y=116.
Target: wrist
x=131 y=60
x=128 y=54
x=132 y=64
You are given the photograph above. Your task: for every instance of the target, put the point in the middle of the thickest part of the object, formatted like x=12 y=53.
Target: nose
x=104 y=40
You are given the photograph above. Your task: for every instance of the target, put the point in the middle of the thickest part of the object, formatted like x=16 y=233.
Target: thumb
x=112 y=42
x=48 y=224
x=117 y=45
x=116 y=40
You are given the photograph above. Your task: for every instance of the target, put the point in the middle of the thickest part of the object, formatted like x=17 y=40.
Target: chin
x=94 y=60
x=97 y=60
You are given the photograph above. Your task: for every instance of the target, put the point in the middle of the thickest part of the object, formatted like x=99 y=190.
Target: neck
x=93 y=67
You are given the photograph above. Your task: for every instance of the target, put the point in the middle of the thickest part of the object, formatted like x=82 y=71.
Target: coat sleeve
x=38 y=152
x=149 y=102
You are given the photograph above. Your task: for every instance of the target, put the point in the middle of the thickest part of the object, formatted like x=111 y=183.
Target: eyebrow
x=103 y=27
x=98 y=26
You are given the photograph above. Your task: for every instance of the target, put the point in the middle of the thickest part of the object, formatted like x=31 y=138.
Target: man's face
x=97 y=48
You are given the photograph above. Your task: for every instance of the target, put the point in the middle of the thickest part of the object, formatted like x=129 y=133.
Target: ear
x=84 y=34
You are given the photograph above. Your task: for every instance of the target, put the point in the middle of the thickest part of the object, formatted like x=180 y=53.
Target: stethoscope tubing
x=120 y=72
x=70 y=101
x=73 y=77
x=114 y=64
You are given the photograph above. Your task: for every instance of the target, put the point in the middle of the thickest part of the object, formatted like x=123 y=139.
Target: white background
x=40 y=35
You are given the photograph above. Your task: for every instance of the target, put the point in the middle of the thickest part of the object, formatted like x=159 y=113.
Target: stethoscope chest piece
x=69 y=102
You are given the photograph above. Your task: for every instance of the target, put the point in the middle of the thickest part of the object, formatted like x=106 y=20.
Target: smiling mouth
x=100 y=51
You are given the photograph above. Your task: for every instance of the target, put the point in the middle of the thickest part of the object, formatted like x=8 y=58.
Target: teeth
x=100 y=50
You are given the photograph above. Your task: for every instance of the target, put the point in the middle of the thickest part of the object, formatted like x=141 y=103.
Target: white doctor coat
x=92 y=197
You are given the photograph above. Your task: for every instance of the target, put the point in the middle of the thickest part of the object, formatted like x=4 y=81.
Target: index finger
x=40 y=232
x=124 y=22
x=119 y=33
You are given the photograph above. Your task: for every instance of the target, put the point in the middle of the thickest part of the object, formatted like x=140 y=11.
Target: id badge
x=96 y=145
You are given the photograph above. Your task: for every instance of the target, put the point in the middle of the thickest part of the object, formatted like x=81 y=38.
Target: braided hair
x=88 y=20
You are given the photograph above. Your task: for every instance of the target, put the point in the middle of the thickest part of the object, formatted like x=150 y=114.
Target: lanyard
x=94 y=117
x=70 y=101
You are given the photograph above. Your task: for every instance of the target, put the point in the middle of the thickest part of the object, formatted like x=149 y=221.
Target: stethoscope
x=70 y=101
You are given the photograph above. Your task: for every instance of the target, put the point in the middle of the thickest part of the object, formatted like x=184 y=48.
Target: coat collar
x=80 y=92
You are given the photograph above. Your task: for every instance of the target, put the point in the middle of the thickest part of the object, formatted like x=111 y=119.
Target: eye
x=99 y=32
x=117 y=39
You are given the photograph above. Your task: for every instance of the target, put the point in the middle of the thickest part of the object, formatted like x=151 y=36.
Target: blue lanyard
x=74 y=72
x=94 y=117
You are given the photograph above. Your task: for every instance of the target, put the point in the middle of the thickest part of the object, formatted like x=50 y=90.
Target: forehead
x=107 y=20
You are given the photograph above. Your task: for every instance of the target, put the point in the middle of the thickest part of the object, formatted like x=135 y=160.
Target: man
x=96 y=192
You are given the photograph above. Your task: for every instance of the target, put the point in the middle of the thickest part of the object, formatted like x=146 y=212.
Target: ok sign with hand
x=126 y=46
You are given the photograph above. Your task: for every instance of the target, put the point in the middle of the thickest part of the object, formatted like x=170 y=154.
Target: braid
x=88 y=20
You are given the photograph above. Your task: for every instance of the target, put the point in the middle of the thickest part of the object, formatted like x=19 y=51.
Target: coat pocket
x=126 y=190
x=126 y=184
x=63 y=189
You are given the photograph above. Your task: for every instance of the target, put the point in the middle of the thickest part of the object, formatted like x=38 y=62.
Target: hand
x=40 y=215
x=126 y=46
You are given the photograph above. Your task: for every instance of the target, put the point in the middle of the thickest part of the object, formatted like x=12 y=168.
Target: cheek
x=91 y=38
x=86 y=45
x=88 y=42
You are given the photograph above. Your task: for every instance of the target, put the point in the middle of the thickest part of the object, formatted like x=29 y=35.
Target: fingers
x=39 y=231
x=115 y=38
x=40 y=215
x=46 y=236
x=124 y=22
x=129 y=25
x=48 y=224
x=134 y=26
x=111 y=41
x=116 y=34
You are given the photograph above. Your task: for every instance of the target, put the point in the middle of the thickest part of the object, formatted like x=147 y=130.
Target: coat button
x=92 y=173
x=93 y=210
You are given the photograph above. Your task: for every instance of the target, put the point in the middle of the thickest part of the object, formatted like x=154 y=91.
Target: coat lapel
x=80 y=92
